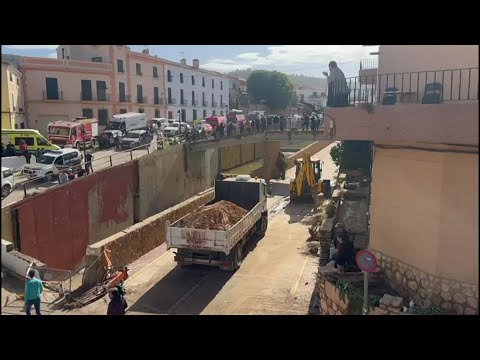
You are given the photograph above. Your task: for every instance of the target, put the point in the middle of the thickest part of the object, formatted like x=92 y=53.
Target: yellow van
x=35 y=141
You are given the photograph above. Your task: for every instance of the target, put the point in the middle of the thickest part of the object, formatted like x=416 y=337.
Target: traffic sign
x=366 y=261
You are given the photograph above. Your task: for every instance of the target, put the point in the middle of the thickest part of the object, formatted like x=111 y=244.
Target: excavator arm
x=306 y=172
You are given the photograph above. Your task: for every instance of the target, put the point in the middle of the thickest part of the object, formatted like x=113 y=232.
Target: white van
x=161 y=123
x=8 y=181
x=128 y=121
x=49 y=164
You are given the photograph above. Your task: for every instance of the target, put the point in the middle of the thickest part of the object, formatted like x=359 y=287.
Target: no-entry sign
x=366 y=261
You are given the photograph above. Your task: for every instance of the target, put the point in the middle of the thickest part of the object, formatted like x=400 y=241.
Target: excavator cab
x=308 y=173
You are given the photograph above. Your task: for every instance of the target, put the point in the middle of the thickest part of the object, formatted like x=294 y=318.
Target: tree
x=272 y=87
x=352 y=154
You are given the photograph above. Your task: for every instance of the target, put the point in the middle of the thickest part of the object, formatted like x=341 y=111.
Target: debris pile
x=221 y=215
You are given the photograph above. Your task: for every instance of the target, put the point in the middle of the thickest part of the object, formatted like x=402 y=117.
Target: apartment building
x=238 y=96
x=310 y=95
x=419 y=109
x=194 y=93
x=13 y=114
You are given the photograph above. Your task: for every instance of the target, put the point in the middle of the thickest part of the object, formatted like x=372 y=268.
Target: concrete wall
x=424 y=211
x=17 y=262
x=202 y=167
x=448 y=123
x=7 y=225
x=137 y=240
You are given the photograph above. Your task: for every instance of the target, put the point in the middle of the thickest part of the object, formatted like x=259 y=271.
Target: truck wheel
x=5 y=190
x=262 y=225
x=237 y=256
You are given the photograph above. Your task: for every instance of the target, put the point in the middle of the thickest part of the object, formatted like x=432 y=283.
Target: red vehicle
x=215 y=121
x=237 y=119
x=74 y=133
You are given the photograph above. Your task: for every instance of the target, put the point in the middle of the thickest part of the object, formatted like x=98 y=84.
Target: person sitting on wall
x=344 y=256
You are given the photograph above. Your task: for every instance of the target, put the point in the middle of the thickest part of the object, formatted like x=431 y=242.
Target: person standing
x=33 y=293
x=24 y=151
x=337 y=86
x=242 y=128
x=263 y=122
x=89 y=160
x=118 y=304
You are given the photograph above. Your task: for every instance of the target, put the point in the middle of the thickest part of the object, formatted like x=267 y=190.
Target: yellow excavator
x=306 y=185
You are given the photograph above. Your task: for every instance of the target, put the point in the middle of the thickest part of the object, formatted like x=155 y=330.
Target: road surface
x=276 y=277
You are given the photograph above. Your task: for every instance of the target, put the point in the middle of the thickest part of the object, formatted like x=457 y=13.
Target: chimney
x=196 y=63
x=183 y=61
x=146 y=52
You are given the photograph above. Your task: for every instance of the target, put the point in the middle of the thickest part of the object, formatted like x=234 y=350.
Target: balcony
x=437 y=107
x=204 y=103
x=158 y=101
x=172 y=101
x=141 y=99
x=194 y=102
x=89 y=97
x=103 y=97
x=183 y=102
x=124 y=98
x=55 y=97
x=368 y=70
x=214 y=104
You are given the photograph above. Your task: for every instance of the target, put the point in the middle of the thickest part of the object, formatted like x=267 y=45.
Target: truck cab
x=75 y=133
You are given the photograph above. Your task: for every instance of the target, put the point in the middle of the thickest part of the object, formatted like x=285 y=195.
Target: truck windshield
x=114 y=125
x=58 y=131
x=46 y=159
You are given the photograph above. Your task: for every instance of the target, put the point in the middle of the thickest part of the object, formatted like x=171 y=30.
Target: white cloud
x=302 y=56
x=32 y=47
x=53 y=55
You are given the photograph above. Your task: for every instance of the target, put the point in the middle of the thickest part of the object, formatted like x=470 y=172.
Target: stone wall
x=135 y=241
x=425 y=289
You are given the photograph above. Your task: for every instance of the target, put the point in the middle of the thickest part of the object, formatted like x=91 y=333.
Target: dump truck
x=223 y=248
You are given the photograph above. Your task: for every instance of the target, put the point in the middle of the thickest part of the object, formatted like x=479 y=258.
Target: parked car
x=136 y=138
x=161 y=123
x=8 y=181
x=174 y=129
x=50 y=163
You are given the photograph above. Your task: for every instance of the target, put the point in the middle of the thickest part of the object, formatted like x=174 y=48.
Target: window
x=155 y=72
x=59 y=160
x=88 y=113
x=221 y=85
x=141 y=111
x=204 y=114
x=42 y=141
x=221 y=113
x=302 y=97
x=97 y=59
x=181 y=97
x=193 y=80
x=156 y=97
x=121 y=92
x=11 y=76
x=140 y=94
x=213 y=113
x=102 y=116
x=194 y=114
x=157 y=113
x=323 y=94
x=181 y=78
x=169 y=94
x=169 y=76
x=74 y=132
x=28 y=140
x=18 y=82
x=22 y=125
x=63 y=53
x=193 y=98
x=86 y=90
x=52 y=88
x=101 y=91
x=123 y=111
x=184 y=115
x=203 y=99
x=213 y=84
x=203 y=81
x=120 y=66
x=170 y=115
x=213 y=99
x=138 y=68
x=221 y=100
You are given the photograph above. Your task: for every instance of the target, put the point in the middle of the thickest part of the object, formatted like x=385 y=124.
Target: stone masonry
x=454 y=297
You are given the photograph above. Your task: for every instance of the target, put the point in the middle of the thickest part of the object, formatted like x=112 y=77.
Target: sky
x=309 y=60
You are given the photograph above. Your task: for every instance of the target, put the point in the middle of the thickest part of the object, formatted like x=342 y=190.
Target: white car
x=50 y=163
x=8 y=181
x=173 y=129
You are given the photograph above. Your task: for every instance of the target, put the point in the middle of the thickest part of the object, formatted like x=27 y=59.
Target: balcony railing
x=158 y=101
x=368 y=64
x=183 y=102
x=204 y=103
x=172 y=101
x=141 y=99
x=89 y=97
x=194 y=102
x=214 y=104
x=124 y=98
x=103 y=97
x=427 y=87
x=86 y=96
x=59 y=96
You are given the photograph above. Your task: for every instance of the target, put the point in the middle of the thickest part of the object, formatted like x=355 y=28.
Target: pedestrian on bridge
x=89 y=159
x=118 y=304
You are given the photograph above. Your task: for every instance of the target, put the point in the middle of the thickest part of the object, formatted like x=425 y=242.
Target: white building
x=193 y=93
x=310 y=95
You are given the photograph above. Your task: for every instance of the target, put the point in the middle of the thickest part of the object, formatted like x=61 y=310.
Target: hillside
x=296 y=79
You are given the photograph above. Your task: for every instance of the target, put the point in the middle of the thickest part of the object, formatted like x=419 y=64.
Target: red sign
x=366 y=261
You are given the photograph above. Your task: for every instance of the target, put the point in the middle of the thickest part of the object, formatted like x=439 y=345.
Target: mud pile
x=219 y=216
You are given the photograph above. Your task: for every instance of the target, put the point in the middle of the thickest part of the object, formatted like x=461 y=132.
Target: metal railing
x=172 y=101
x=158 y=101
x=427 y=87
x=204 y=103
x=103 y=97
x=141 y=99
x=368 y=64
x=124 y=98
x=58 y=98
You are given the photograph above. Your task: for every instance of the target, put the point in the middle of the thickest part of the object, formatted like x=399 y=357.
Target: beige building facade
x=13 y=108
